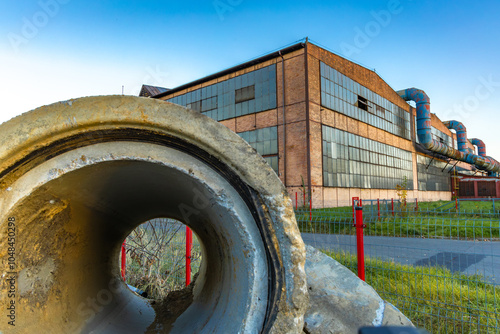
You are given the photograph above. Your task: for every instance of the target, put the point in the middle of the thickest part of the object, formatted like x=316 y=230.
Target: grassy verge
x=446 y=227
x=467 y=224
x=433 y=297
x=467 y=206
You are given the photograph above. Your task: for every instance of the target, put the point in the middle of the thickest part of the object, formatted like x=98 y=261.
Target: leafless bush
x=156 y=253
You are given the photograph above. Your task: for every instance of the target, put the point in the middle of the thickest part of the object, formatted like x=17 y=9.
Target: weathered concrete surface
x=340 y=302
x=78 y=175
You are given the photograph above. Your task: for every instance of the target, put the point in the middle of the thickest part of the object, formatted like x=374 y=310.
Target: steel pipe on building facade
x=461 y=132
x=284 y=119
x=424 y=134
x=481 y=147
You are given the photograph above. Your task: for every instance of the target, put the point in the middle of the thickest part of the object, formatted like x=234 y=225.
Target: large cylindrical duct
x=461 y=132
x=462 y=142
x=481 y=147
x=77 y=177
x=425 y=137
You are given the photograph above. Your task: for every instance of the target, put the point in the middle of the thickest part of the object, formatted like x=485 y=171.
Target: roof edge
x=241 y=66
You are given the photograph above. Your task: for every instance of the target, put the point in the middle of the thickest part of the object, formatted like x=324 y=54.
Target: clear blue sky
x=52 y=50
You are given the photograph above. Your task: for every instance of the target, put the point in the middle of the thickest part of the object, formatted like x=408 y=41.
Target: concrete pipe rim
x=282 y=287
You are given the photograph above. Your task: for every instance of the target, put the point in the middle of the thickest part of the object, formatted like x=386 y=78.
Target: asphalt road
x=468 y=257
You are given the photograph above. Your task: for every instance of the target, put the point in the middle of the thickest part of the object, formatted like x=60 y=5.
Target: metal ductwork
x=481 y=148
x=461 y=131
x=425 y=137
x=470 y=155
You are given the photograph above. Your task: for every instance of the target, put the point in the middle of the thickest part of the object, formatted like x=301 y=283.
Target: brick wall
x=321 y=115
x=296 y=123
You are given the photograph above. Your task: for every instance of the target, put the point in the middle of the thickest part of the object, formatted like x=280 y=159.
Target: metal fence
x=438 y=262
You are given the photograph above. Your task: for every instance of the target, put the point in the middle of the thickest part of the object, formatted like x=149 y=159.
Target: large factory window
x=432 y=174
x=362 y=103
x=346 y=96
x=242 y=95
x=438 y=136
x=265 y=142
x=245 y=94
x=209 y=104
x=354 y=161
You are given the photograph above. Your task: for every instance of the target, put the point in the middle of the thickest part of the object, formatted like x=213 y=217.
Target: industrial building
x=334 y=129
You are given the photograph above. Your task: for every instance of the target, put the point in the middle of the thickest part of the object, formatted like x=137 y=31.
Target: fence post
x=456 y=204
x=354 y=199
x=359 y=240
x=392 y=206
x=124 y=261
x=189 y=244
x=416 y=204
x=378 y=209
x=296 y=202
x=310 y=210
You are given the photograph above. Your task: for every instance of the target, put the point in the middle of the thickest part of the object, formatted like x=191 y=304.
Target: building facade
x=330 y=128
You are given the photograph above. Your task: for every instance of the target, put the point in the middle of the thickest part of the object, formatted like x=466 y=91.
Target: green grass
x=437 y=227
x=468 y=206
x=433 y=297
x=474 y=221
x=156 y=256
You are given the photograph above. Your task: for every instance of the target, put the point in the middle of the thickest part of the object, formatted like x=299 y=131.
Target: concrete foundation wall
x=329 y=197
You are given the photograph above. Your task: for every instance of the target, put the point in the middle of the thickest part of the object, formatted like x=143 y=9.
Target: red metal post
x=124 y=261
x=416 y=204
x=378 y=209
x=304 y=200
x=359 y=241
x=189 y=245
x=392 y=206
x=354 y=199
x=296 y=201
x=456 y=204
x=310 y=210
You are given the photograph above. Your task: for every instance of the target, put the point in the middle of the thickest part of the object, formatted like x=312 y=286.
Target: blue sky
x=52 y=50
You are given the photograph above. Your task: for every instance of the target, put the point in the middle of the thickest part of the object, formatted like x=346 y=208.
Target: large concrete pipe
x=77 y=177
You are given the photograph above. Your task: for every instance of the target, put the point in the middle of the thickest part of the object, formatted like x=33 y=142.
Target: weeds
x=402 y=192
x=156 y=257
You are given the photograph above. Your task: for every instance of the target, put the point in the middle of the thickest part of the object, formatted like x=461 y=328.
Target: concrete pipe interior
x=77 y=177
